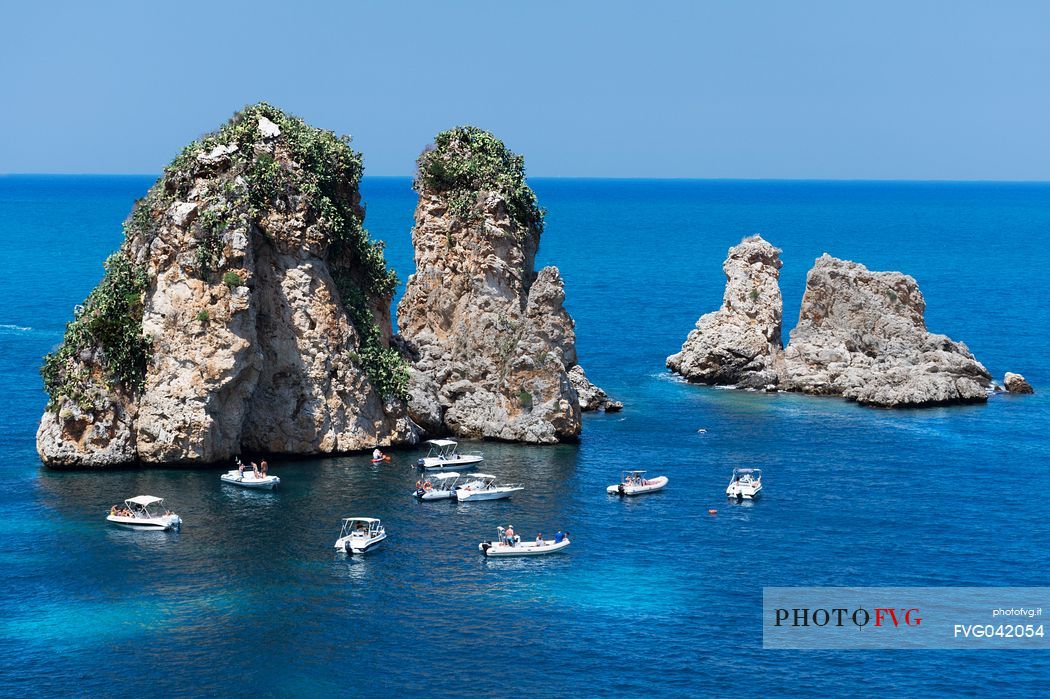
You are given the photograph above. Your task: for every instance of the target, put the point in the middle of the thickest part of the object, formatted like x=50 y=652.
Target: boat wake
x=7 y=327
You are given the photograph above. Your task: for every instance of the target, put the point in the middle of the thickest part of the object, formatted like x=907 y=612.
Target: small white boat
x=440 y=486
x=360 y=534
x=144 y=512
x=745 y=484
x=485 y=487
x=635 y=483
x=248 y=479
x=506 y=546
x=444 y=454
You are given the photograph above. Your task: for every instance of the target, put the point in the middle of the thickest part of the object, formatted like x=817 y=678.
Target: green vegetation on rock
x=110 y=328
x=466 y=160
x=385 y=367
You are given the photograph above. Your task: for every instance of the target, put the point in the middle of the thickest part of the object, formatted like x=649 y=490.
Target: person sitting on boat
x=539 y=538
x=255 y=469
x=240 y=467
x=558 y=537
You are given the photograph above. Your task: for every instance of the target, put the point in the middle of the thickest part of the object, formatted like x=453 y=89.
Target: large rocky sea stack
x=739 y=344
x=247 y=309
x=860 y=335
x=490 y=340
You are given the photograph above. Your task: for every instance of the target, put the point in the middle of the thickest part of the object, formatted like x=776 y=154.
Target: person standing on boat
x=263 y=468
x=510 y=534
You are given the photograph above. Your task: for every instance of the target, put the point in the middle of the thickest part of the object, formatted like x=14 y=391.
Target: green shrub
x=753 y=295
x=232 y=279
x=110 y=324
x=385 y=367
x=467 y=160
x=203 y=316
x=525 y=399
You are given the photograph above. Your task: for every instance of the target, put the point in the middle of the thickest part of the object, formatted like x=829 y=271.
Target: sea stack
x=1015 y=383
x=247 y=309
x=490 y=341
x=862 y=335
x=739 y=344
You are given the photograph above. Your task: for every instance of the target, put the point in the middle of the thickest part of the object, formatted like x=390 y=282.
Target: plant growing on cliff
x=467 y=160
x=109 y=326
x=385 y=367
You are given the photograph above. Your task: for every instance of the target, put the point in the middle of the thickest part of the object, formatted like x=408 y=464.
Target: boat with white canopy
x=486 y=487
x=636 y=483
x=444 y=454
x=511 y=545
x=144 y=512
x=360 y=534
x=440 y=486
x=745 y=484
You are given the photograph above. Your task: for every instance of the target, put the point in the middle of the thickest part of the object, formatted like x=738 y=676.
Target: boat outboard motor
x=484 y=546
x=419 y=462
x=621 y=490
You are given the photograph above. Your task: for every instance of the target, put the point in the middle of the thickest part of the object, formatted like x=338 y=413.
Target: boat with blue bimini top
x=444 y=454
x=745 y=483
x=144 y=512
x=360 y=534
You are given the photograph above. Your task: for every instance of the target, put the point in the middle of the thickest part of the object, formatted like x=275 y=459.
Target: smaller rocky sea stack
x=739 y=344
x=490 y=342
x=862 y=335
x=1015 y=383
x=247 y=309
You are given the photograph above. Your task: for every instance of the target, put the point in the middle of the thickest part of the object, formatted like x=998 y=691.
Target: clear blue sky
x=913 y=89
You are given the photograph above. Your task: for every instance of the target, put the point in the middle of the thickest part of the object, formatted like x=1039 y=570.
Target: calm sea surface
x=655 y=596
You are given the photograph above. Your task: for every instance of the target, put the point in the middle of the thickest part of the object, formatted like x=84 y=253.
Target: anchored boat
x=745 y=484
x=486 y=487
x=360 y=534
x=250 y=479
x=512 y=545
x=635 y=483
x=440 y=486
x=144 y=512
x=444 y=454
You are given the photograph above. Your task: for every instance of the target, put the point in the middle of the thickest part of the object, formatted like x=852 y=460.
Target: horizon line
x=610 y=179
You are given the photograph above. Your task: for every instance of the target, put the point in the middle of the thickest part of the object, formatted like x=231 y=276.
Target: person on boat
x=377 y=455
x=240 y=467
x=263 y=468
x=539 y=538
x=510 y=534
x=255 y=469
x=558 y=537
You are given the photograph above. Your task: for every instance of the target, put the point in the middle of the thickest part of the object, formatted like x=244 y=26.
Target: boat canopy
x=441 y=442
x=444 y=476
x=747 y=470
x=360 y=519
x=483 y=475
x=143 y=500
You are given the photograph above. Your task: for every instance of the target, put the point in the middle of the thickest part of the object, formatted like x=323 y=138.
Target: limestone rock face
x=490 y=341
x=1015 y=383
x=591 y=397
x=739 y=344
x=862 y=335
x=264 y=307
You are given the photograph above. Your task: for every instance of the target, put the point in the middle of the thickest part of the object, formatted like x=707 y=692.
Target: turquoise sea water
x=655 y=595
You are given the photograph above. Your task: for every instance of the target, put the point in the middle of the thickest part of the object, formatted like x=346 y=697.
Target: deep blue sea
x=655 y=596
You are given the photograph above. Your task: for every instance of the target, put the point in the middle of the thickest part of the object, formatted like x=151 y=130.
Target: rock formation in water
x=490 y=341
x=247 y=309
x=1015 y=383
x=862 y=335
x=739 y=344
x=591 y=397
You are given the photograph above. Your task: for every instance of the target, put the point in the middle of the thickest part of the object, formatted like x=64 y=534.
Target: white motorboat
x=444 y=454
x=506 y=546
x=440 y=486
x=249 y=479
x=486 y=487
x=745 y=484
x=360 y=534
x=144 y=512
x=635 y=483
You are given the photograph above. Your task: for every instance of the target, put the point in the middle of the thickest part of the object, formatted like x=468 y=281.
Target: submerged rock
x=862 y=335
x=739 y=344
x=246 y=310
x=1015 y=383
x=490 y=340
